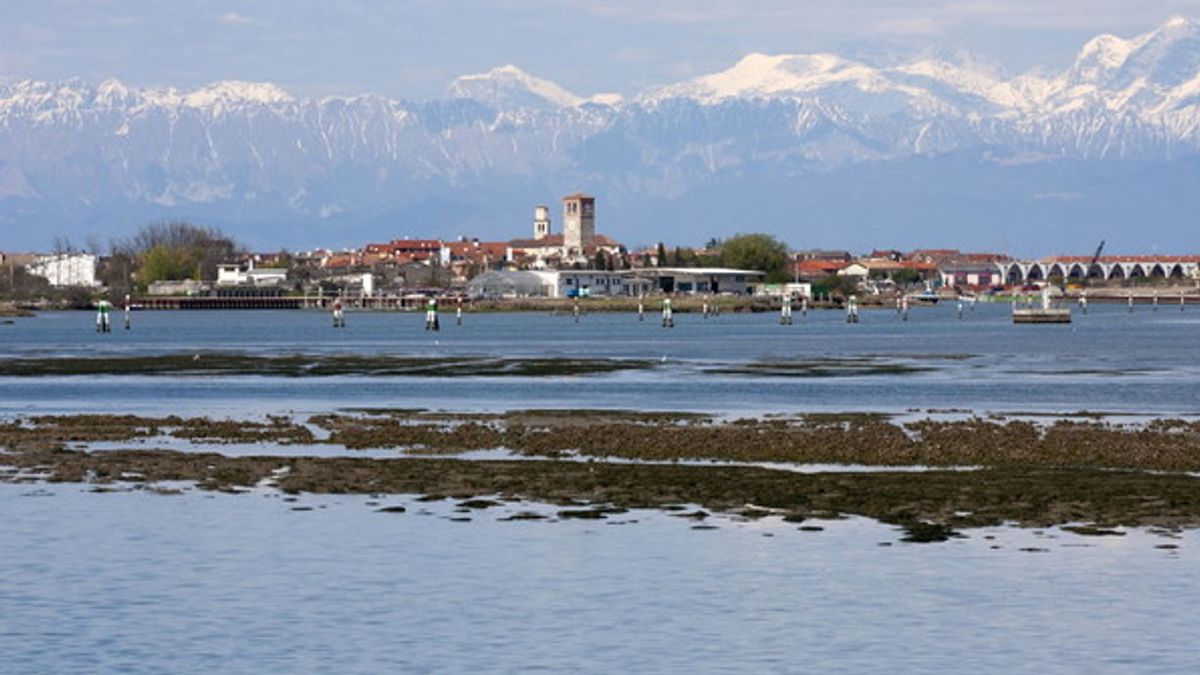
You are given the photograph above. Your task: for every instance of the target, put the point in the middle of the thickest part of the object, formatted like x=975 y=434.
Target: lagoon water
x=1109 y=360
x=137 y=582
x=141 y=582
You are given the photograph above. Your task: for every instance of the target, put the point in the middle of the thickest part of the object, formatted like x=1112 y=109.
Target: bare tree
x=62 y=245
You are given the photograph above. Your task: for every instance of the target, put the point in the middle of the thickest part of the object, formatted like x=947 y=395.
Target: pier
x=207 y=302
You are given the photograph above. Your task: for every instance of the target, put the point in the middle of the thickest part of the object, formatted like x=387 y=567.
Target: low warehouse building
x=701 y=279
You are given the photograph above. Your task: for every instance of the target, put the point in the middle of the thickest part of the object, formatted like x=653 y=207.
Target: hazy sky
x=412 y=49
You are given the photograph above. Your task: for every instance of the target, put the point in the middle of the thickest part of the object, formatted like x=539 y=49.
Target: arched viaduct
x=1105 y=269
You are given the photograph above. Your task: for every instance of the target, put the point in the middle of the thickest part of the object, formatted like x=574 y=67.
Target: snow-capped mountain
x=798 y=144
x=509 y=87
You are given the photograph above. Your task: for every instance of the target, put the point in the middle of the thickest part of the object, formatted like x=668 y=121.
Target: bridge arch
x=1076 y=271
x=1014 y=274
x=1117 y=272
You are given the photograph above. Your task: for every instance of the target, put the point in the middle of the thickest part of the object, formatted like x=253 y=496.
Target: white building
x=67 y=269
x=700 y=279
x=236 y=275
x=556 y=284
x=590 y=283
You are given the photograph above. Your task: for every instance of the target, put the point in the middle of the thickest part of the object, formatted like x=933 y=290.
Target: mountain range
x=818 y=149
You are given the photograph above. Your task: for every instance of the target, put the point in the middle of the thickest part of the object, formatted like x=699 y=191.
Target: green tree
x=168 y=263
x=661 y=255
x=169 y=248
x=835 y=286
x=760 y=252
x=906 y=276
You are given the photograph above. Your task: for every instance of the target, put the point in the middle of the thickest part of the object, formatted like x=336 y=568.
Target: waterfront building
x=508 y=284
x=66 y=269
x=971 y=275
x=556 y=284
x=238 y=275
x=693 y=280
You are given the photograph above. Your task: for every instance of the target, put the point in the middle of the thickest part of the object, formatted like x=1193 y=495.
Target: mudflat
x=977 y=472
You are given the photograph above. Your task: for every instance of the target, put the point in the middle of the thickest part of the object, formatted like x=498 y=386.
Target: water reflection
x=147 y=583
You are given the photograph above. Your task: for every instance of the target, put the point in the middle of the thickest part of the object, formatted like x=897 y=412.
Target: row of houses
x=613 y=283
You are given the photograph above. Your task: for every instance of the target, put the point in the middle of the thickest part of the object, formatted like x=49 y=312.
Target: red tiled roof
x=820 y=266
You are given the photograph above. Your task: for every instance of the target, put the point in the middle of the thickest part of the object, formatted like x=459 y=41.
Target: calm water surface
x=137 y=582
x=1109 y=360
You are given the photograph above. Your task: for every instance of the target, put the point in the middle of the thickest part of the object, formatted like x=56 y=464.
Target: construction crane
x=1095 y=259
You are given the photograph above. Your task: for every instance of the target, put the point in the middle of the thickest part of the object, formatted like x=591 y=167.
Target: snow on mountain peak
x=763 y=75
x=113 y=88
x=1104 y=52
x=236 y=91
x=1178 y=23
x=1167 y=56
x=510 y=87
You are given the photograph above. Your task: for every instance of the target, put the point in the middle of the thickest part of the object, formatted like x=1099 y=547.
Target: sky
x=413 y=49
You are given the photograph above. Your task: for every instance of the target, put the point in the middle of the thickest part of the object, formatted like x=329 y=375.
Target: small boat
x=925 y=297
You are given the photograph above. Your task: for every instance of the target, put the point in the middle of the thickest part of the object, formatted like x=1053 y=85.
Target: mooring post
x=804 y=305
x=852 y=309
x=960 y=308
x=102 y=309
x=1130 y=294
x=668 y=317
x=339 y=320
x=641 y=307
x=431 y=315
x=904 y=308
x=128 y=313
x=458 y=313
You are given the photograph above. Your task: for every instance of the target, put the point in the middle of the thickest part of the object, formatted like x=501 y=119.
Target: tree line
x=754 y=251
